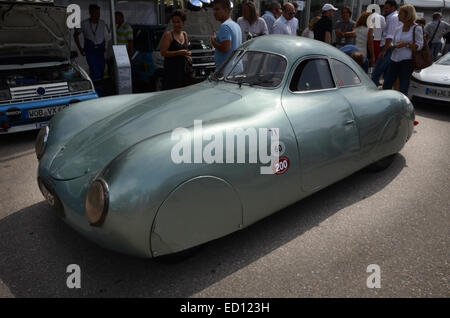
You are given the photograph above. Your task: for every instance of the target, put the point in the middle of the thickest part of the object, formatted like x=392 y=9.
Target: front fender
x=199 y=210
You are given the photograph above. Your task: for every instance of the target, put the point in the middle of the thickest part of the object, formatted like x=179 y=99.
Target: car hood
x=436 y=73
x=33 y=30
x=98 y=144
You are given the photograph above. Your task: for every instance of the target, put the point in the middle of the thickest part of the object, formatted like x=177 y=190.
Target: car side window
x=345 y=76
x=312 y=74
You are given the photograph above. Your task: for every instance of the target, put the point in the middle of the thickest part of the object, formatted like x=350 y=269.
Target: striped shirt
x=124 y=33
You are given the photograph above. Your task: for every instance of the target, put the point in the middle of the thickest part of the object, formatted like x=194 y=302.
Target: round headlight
x=97 y=202
x=41 y=141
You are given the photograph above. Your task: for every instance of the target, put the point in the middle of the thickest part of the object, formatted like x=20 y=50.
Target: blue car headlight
x=97 y=202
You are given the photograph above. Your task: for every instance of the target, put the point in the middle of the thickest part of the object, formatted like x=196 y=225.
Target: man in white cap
x=324 y=27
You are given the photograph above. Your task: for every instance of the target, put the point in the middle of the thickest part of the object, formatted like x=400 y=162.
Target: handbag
x=423 y=58
x=188 y=68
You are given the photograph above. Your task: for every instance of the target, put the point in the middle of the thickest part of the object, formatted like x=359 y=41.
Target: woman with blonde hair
x=364 y=37
x=309 y=31
x=251 y=24
x=407 y=39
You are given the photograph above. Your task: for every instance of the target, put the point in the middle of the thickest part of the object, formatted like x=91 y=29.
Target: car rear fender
x=392 y=138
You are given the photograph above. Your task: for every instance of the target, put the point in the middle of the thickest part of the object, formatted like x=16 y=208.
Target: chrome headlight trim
x=98 y=193
x=41 y=142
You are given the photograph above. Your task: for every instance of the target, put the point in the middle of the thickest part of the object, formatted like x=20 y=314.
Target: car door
x=323 y=123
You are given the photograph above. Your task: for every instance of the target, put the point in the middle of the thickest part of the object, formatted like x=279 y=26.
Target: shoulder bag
x=422 y=58
x=188 y=68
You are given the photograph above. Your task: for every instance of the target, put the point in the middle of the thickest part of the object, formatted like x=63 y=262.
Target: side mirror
x=73 y=54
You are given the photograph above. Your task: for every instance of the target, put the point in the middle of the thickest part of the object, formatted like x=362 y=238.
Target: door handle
x=349 y=122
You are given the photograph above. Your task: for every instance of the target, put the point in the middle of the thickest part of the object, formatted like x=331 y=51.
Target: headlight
x=97 y=202
x=41 y=141
x=79 y=86
x=5 y=94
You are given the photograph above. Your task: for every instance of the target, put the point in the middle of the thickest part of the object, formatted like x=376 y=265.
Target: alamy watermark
x=230 y=145
x=74 y=279
x=374 y=279
x=73 y=10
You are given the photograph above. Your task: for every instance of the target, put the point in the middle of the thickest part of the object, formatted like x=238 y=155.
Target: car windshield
x=253 y=68
x=445 y=60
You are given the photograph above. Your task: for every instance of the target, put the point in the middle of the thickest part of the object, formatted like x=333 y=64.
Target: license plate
x=437 y=92
x=45 y=112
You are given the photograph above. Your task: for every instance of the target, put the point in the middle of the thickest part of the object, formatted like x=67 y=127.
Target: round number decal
x=281 y=166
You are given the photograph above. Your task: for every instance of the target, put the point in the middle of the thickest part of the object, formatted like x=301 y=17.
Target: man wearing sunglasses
x=281 y=25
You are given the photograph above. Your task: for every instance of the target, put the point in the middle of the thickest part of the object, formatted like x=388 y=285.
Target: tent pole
x=112 y=10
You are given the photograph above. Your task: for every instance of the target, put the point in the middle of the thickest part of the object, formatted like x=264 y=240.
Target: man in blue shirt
x=229 y=37
x=272 y=14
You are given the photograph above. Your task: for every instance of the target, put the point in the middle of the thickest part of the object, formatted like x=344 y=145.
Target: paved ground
x=398 y=219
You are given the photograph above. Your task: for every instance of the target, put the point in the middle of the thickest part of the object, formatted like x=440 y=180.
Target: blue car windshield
x=253 y=68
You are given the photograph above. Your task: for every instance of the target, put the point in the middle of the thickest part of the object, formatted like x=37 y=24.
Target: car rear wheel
x=382 y=164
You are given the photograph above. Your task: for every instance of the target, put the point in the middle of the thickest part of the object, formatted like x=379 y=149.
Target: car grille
x=203 y=58
x=413 y=79
x=33 y=93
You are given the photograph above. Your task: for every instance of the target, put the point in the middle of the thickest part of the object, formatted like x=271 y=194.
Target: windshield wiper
x=212 y=77
x=261 y=81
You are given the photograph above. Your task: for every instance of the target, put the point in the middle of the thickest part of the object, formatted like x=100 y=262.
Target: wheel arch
x=199 y=210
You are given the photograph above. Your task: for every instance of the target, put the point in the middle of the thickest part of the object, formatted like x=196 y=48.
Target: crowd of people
x=382 y=44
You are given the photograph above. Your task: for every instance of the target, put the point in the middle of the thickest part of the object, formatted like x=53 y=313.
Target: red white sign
x=281 y=166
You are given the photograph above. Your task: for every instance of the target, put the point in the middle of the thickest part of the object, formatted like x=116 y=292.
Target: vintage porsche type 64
x=111 y=167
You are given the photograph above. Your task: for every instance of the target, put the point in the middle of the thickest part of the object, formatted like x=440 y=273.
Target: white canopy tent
x=435 y=4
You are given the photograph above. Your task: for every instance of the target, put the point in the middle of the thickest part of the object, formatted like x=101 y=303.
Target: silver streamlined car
x=154 y=174
x=432 y=84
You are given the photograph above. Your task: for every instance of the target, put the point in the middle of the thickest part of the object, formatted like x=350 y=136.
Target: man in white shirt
x=281 y=25
x=392 y=23
x=271 y=15
x=377 y=22
x=93 y=30
x=293 y=23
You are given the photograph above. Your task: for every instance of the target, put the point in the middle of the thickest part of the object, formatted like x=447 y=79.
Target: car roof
x=296 y=47
x=292 y=47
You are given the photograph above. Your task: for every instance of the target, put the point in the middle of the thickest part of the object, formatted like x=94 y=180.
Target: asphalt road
x=398 y=219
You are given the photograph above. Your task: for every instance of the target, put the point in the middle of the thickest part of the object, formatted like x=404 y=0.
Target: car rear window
x=345 y=76
x=311 y=75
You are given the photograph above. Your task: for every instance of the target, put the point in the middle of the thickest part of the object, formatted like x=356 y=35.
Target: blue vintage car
x=37 y=77
x=160 y=173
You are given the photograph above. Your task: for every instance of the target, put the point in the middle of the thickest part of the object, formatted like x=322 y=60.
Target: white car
x=432 y=84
